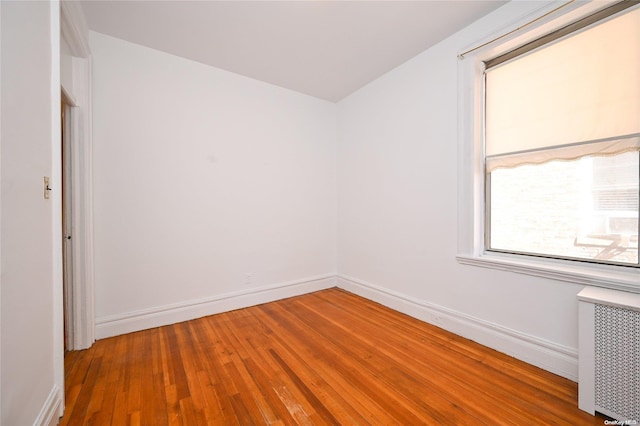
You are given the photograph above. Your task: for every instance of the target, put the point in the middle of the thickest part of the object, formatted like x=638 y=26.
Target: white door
x=67 y=228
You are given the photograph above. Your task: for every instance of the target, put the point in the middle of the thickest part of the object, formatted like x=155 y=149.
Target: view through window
x=585 y=209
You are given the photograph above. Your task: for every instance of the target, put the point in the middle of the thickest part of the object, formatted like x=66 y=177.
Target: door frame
x=80 y=305
x=66 y=107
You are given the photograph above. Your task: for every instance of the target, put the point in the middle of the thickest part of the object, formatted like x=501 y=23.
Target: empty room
x=319 y=212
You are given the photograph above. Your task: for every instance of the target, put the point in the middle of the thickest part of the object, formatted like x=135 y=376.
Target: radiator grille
x=617 y=359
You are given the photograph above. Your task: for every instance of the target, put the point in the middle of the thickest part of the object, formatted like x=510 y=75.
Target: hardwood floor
x=323 y=358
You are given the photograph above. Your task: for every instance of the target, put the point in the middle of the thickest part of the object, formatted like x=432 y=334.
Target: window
x=550 y=147
x=562 y=143
x=580 y=209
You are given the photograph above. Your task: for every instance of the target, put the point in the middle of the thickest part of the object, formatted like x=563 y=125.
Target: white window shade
x=537 y=107
x=564 y=152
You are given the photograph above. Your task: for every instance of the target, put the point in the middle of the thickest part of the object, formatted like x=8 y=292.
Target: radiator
x=609 y=353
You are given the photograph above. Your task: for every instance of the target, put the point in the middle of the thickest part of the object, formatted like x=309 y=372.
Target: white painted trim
x=617 y=299
x=52 y=409
x=68 y=97
x=73 y=28
x=57 y=321
x=587 y=356
x=550 y=356
x=82 y=208
x=75 y=33
x=612 y=277
x=543 y=18
x=128 y=322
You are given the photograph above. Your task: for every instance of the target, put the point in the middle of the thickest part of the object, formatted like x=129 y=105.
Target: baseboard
x=51 y=410
x=549 y=356
x=170 y=314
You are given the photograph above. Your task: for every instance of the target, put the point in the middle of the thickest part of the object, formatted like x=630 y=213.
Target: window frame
x=472 y=188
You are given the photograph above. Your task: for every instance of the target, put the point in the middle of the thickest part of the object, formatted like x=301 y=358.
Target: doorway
x=67 y=223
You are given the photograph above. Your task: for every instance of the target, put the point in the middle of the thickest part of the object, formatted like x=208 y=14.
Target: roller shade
x=576 y=96
x=564 y=152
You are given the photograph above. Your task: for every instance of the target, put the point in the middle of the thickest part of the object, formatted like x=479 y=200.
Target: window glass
x=583 y=209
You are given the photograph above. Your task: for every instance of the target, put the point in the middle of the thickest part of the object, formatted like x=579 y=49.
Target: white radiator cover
x=609 y=353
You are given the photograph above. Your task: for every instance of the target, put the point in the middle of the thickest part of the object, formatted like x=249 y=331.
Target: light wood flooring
x=328 y=357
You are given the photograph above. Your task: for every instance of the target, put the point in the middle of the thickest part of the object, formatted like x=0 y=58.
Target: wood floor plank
x=439 y=357
x=328 y=355
x=392 y=350
x=260 y=345
x=328 y=382
x=326 y=358
x=280 y=385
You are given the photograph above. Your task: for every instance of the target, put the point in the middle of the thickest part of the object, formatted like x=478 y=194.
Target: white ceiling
x=326 y=49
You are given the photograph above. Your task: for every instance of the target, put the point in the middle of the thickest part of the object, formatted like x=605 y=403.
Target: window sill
x=617 y=278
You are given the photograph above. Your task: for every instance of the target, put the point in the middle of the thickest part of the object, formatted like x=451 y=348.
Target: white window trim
x=471 y=176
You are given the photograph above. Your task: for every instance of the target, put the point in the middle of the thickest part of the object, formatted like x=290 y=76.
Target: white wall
x=397 y=224
x=30 y=273
x=200 y=177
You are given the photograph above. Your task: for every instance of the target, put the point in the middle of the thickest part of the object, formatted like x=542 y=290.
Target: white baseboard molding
x=178 y=312
x=547 y=355
x=558 y=359
x=51 y=410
